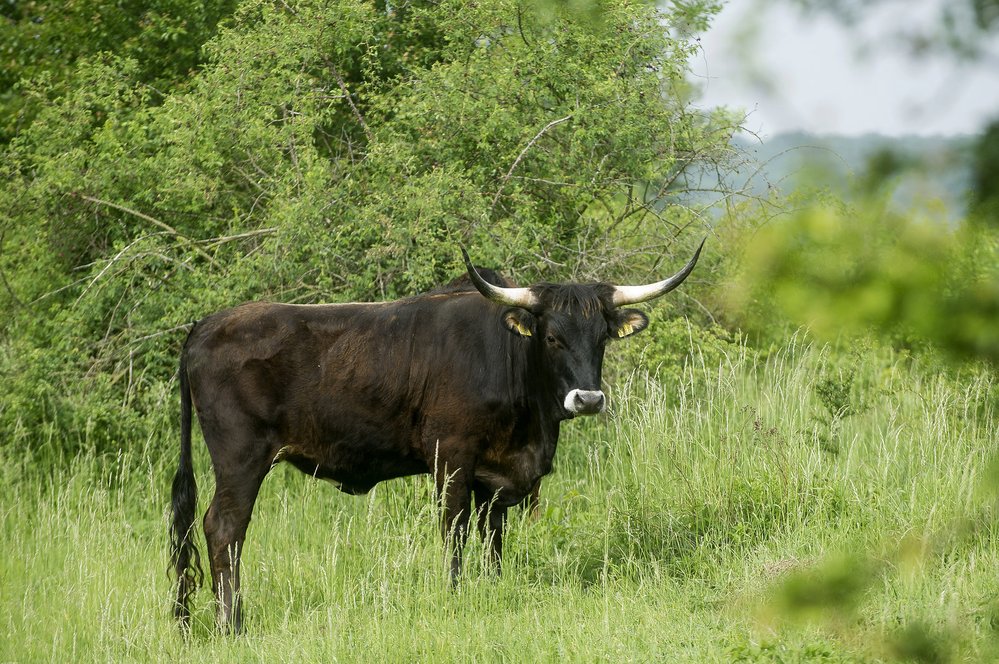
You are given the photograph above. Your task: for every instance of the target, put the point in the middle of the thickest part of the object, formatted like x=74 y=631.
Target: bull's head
x=569 y=326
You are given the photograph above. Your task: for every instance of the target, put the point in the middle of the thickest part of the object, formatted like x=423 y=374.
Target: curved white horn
x=514 y=297
x=634 y=294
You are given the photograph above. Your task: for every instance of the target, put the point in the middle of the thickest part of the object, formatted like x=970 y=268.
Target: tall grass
x=806 y=506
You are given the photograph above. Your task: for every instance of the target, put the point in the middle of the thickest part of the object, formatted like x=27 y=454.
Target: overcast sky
x=807 y=73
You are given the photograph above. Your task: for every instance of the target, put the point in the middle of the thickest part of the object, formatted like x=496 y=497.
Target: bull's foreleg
x=455 y=495
x=491 y=522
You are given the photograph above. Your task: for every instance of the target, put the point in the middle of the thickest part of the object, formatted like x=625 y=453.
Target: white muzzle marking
x=587 y=402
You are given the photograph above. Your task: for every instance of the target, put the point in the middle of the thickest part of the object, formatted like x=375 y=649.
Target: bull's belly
x=508 y=489
x=356 y=472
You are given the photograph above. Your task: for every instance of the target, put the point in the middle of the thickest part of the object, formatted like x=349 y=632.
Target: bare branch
x=350 y=100
x=185 y=326
x=513 y=166
x=145 y=217
x=215 y=241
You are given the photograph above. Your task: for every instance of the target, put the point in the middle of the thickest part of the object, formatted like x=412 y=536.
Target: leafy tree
x=860 y=266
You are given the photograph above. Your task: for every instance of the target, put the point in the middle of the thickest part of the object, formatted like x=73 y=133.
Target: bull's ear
x=628 y=322
x=519 y=322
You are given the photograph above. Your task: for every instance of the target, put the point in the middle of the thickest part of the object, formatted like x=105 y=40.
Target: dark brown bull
x=469 y=388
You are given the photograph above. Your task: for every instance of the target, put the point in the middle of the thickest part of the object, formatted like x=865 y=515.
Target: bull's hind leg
x=226 y=522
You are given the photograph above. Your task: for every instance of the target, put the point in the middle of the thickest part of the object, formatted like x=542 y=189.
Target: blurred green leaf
x=847 y=271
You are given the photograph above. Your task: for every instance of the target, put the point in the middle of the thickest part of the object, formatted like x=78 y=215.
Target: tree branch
x=145 y=217
x=513 y=166
x=350 y=100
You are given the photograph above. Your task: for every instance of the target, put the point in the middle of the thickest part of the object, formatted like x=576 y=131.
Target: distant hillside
x=923 y=170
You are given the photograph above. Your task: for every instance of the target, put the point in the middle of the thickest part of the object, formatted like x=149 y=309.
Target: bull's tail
x=184 y=556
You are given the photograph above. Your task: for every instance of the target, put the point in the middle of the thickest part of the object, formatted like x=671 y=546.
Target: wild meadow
x=803 y=505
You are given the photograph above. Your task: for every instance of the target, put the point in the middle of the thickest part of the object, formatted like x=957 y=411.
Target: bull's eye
x=552 y=341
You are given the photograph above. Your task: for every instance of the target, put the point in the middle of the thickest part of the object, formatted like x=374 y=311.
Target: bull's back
x=273 y=360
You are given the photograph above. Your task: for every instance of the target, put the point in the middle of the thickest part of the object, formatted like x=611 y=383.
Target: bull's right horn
x=514 y=297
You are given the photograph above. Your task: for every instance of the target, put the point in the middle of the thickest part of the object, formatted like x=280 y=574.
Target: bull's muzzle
x=585 y=402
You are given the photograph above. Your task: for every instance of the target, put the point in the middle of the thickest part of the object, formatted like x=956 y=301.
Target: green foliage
x=918 y=642
x=778 y=652
x=45 y=39
x=835 y=586
x=672 y=348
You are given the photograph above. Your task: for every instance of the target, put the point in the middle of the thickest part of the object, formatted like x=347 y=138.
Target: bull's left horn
x=634 y=294
x=514 y=297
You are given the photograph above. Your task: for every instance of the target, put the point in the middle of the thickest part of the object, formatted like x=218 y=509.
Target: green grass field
x=805 y=506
